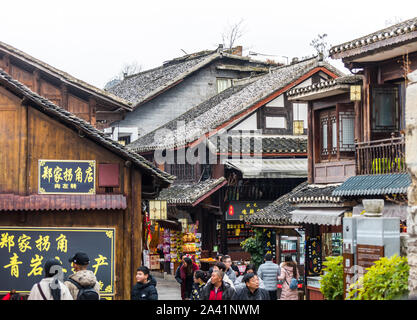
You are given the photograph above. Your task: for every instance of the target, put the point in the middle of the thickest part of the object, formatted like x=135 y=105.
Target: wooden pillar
x=125 y=254
x=310 y=143
x=136 y=225
x=357 y=109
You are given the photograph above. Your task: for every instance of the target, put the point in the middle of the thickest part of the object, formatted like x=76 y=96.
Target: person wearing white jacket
x=50 y=287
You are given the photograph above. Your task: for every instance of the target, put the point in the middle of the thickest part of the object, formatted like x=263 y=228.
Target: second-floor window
x=337 y=132
x=223 y=84
x=184 y=172
x=385 y=109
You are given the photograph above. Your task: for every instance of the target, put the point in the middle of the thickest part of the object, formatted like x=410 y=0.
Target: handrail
x=381 y=156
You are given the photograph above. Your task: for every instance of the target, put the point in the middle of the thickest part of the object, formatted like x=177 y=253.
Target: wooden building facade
x=34 y=131
x=96 y=106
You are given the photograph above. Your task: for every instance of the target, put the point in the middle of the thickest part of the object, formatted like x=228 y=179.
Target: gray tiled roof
x=86 y=128
x=341 y=82
x=317 y=195
x=141 y=87
x=278 y=212
x=389 y=33
x=377 y=184
x=228 y=105
x=270 y=144
x=187 y=194
x=65 y=76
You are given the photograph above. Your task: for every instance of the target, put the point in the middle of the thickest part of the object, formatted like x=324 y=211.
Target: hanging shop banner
x=67 y=177
x=24 y=251
x=313 y=255
x=238 y=209
x=269 y=242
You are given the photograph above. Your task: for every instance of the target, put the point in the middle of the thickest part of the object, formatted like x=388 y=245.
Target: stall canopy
x=332 y=217
x=270 y=168
x=377 y=184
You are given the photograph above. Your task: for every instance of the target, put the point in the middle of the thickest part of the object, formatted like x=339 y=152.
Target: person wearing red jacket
x=187 y=276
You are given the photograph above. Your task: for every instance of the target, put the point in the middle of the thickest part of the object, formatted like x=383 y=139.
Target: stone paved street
x=168 y=288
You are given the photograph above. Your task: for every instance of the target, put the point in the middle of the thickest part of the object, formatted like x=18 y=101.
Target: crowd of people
x=222 y=281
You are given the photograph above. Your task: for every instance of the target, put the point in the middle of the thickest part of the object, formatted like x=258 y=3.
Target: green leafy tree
x=331 y=283
x=387 y=279
x=254 y=246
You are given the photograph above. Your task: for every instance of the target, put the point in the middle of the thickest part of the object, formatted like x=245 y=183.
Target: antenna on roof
x=184 y=51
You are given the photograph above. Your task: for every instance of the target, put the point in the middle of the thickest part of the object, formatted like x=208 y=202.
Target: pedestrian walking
x=200 y=280
x=251 y=290
x=250 y=268
x=222 y=267
x=236 y=270
x=177 y=272
x=145 y=287
x=187 y=276
x=288 y=272
x=83 y=284
x=217 y=289
x=50 y=287
x=269 y=272
x=229 y=271
x=219 y=257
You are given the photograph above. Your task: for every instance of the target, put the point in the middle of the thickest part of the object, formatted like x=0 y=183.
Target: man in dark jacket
x=217 y=289
x=251 y=290
x=145 y=288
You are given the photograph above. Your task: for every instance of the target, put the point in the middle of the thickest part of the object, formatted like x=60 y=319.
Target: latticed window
x=184 y=172
x=337 y=132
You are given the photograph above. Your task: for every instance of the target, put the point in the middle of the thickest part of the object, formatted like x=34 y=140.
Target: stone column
x=411 y=161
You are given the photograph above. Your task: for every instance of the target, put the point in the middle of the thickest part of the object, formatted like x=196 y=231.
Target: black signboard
x=23 y=252
x=269 y=242
x=67 y=177
x=313 y=256
x=238 y=209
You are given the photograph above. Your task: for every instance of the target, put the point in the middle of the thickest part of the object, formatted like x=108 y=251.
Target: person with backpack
x=289 y=275
x=83 y=284
x=50 y=287
x=269 y=272
x=145 y=288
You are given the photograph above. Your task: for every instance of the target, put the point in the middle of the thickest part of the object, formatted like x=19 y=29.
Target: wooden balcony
x=381 y=156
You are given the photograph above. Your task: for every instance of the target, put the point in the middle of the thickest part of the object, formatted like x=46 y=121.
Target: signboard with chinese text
x=368 y=254
x=270 y=242
x=24 y=250
x=238 y=209
x=313 y=256
x=67 y=177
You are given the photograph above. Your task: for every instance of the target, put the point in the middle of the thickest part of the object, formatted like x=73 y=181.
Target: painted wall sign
x=23 y=252
x=238 y=209
x=67 y=177
x=313 y=256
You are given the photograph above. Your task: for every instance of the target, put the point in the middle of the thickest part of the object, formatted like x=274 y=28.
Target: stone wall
x=411 y=160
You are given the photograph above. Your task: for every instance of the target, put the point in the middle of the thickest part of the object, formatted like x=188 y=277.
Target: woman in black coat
x=145 y=288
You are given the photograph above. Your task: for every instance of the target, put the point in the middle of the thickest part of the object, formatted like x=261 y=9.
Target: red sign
x=231 y=210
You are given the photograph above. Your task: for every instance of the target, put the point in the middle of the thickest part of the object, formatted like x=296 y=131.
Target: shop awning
x=332 y=217
x=375 y=184
x=270 y=168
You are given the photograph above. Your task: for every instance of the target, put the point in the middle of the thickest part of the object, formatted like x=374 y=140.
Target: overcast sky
x=92 y=39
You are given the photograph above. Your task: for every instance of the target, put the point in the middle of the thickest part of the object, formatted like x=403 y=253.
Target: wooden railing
x=381 y=156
